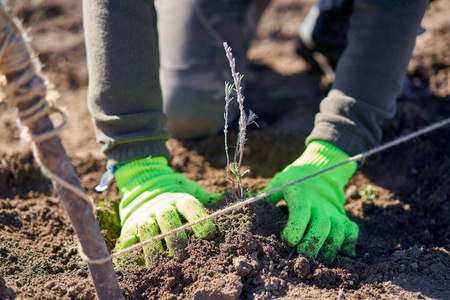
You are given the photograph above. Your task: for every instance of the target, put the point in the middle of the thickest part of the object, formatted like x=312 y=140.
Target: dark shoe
x=323 y=34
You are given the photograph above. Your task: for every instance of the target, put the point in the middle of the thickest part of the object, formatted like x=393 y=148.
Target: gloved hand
x=317 y=219
x=153 y=199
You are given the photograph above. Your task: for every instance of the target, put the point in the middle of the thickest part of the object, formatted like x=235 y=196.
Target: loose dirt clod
x=228 y=287
x=302 y=267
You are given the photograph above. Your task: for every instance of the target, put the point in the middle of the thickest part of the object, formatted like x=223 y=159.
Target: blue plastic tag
x=104 y=181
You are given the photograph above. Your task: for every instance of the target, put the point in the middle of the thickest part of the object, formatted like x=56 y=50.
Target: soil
x=404 y=214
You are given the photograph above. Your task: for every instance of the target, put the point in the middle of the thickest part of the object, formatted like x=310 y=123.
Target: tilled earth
x=399 y=198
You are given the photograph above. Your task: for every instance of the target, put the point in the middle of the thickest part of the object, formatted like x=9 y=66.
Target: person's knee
x=194 y=109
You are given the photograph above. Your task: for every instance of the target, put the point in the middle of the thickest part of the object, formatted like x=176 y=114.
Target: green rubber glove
x=153 y=199
x=317 y=219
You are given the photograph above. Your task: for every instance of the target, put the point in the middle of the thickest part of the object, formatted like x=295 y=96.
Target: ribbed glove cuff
x=139 y=171
x=320 y=155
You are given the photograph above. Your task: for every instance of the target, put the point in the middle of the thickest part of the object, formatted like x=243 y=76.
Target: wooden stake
x=50 y=152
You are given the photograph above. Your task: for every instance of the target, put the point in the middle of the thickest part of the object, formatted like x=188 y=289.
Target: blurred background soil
x=399 y=198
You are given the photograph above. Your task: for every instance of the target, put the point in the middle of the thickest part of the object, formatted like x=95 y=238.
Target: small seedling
x=413 y=251
x=368 y=193
x=233 y=167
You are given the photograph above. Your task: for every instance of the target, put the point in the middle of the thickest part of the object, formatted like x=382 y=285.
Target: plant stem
x=241 y=139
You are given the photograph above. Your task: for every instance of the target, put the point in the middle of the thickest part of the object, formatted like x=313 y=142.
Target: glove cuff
x=320 y=155
x=137 y=172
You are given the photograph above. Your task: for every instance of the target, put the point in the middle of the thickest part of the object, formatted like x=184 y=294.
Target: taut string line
x=358 y=157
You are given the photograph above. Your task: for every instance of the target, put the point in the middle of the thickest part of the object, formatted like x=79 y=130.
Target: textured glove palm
x=317 y=219
x=153 y=199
